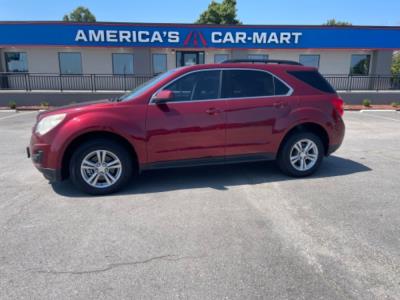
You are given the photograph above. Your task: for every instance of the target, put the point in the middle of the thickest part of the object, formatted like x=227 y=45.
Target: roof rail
x=262 y=61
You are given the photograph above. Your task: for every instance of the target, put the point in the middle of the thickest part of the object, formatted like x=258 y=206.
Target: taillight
x=338 y=104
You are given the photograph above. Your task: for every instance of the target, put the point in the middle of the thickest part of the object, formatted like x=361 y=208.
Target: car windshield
x=144 y=86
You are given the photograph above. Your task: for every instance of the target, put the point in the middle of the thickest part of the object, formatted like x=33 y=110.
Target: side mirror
x=163 y=96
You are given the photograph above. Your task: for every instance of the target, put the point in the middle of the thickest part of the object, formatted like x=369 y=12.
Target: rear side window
x=280 y=87
x=246 y=83
x=314 y=79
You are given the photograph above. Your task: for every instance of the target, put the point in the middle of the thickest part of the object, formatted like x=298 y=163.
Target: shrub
x=395 y=104
x=12 y=104
x=44 y=104
x=366 y=102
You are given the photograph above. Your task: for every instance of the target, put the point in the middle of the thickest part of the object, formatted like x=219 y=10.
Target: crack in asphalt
x=121 y=264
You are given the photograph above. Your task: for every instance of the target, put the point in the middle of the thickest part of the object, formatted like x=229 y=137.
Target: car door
x=192 y=124
x=253 y=109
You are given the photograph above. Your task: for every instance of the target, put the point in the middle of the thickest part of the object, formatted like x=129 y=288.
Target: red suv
x=236 y=111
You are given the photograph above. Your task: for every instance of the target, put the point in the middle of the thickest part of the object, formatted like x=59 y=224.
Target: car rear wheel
x=100 y=167
x=301 y=154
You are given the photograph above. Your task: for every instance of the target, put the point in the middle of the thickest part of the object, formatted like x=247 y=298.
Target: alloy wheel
x=304 y=155
x=101 y=168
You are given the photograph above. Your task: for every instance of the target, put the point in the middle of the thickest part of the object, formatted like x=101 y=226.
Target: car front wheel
x=301 y=154
x=100 y=167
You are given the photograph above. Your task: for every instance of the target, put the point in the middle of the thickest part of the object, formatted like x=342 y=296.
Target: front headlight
x=48 y=123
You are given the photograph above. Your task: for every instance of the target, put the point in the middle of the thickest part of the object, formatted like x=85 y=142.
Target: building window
x=70 y=63
x=258 y=56
x=159 y=63
x=309 y=60
x=219 y=58
x=122 y=63
x=16 y=61
x=360 y=64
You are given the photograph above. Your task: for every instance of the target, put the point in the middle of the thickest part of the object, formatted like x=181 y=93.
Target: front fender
x=131 y=129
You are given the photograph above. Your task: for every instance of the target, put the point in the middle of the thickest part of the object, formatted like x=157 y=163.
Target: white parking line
x=377 y=110
x=18 y=114
x=380 y=117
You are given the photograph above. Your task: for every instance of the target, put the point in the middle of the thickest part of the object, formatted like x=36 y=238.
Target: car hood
x=76 y=107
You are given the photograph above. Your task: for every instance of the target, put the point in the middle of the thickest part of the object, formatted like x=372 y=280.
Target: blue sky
x=365 y=12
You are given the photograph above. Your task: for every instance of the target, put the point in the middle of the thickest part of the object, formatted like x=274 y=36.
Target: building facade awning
x=197 y=36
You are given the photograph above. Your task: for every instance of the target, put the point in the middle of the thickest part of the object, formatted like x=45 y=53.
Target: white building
x=146 y=49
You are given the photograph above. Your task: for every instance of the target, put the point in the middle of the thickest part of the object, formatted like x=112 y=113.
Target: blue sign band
x=202 y=36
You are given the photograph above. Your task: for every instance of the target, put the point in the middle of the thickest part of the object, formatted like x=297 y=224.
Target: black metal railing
x=61 y=82
x=358 y=82
x=109 y=82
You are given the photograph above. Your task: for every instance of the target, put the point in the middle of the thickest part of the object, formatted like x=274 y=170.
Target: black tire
x=283 y=159
x=100 y=144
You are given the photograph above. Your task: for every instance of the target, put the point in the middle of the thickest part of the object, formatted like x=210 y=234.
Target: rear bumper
x=332 y=148
x=337 y=136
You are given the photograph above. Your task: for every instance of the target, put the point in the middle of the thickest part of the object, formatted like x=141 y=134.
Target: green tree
x=333 y=22
x=80 y=14
x=396 y=64
x=219 y=13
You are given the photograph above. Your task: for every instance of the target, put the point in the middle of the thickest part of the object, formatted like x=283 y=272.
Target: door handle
x=213 y=111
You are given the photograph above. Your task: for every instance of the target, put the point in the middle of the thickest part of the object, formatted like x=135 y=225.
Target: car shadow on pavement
x=219 y=177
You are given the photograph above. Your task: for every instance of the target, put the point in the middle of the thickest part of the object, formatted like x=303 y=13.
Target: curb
x=31 y=109
x=7 y=110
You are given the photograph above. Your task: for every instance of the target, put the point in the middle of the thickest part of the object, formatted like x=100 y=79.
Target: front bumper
x=52 y=175
x=36 y=157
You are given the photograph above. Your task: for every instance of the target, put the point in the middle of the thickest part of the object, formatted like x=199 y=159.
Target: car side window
x=280 y=87
x=200 y=85
x=246 y=83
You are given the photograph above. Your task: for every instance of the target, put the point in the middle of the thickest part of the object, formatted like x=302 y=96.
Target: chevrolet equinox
x=236 y=111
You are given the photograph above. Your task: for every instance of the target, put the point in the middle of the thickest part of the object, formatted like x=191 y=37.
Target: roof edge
x=200 y=25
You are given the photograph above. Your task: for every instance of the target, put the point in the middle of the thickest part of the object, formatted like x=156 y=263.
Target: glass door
x=189 y=58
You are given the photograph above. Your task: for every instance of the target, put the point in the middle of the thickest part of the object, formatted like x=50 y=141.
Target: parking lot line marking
x=377 y=110
x=18 y=114
x=380 y=117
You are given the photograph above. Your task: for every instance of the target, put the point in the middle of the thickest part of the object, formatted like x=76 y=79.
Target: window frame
x=319 y=59
x=59 y=62
x=6 y=63
x=369 y=64
x=288 y=94
x=113 y=64
x=152 y=62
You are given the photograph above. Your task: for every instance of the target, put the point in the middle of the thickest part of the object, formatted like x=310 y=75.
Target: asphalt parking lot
x=235 y=232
